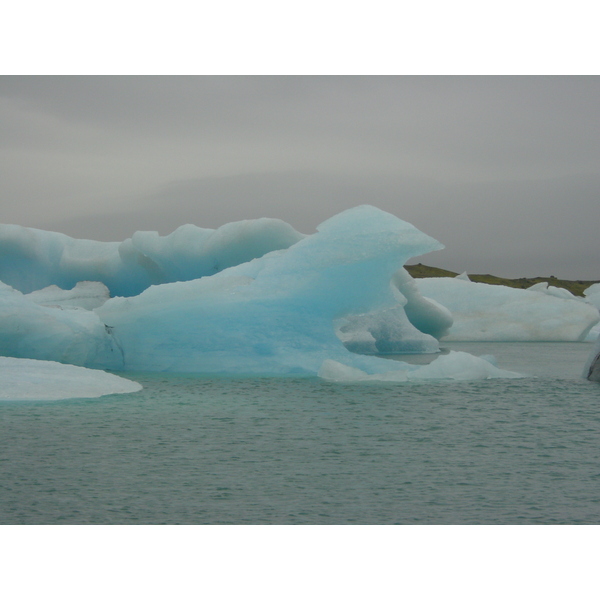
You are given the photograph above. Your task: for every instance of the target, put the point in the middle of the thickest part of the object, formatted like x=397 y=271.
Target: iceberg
x=25 y=379
x=484 y=312
x=250 y=298
x=275 y=314
x=32 y=259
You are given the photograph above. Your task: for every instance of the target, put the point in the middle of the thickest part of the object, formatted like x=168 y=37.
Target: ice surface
x=425 y=314
x=275 y=314
x=32 y=259
x=459 y=366
x=384 y=332
x=592 y=295
x=257 y=297
x=591 y=369
x=86 y=294
x=484 y=312
x=551 y=290
x=24 y=379
x=66 y=334
x=413 y=326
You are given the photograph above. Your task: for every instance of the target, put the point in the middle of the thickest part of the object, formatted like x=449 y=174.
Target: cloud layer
x=502 y=170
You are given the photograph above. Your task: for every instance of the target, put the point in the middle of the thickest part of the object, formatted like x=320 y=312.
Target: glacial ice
x=32 y=259
x=25 y=379
x=591 y=370
x=592 y=295
x=62 y=333
x=484 y=312
x=86 y=294
x=274 y=314
x=412 y=327
x=552 y=290
x=258 y=298
x=458 y=366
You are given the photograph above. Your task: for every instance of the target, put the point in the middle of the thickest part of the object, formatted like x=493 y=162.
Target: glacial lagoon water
x=205 y=450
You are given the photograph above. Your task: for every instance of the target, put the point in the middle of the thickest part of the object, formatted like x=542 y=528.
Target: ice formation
x=484 y=312
x=253 y=311
x=413 y=326
x=24 y=379
x=31 y=259
x=257 y=297
x=275 y=314
x=86 y=294
x=592 y=295
x=458 y=366
x=552 y=290
x=62 y=333
x=591 y=369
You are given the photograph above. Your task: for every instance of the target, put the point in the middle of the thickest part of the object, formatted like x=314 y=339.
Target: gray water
x=198 y=450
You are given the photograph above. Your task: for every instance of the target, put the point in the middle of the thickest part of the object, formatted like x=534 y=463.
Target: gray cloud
x=502 y=170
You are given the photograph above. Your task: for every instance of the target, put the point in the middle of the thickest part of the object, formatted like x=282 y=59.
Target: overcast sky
x=504 y=171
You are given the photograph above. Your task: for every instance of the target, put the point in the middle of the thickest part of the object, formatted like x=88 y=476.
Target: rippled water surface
x=195 y=450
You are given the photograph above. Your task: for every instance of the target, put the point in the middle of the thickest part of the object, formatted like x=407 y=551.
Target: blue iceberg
x=259 y=299
x=32 y=259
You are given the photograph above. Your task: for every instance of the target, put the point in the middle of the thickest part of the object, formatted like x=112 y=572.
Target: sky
x=503 y=170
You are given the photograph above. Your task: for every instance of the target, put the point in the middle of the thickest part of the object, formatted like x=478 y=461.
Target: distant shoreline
x=576 y=287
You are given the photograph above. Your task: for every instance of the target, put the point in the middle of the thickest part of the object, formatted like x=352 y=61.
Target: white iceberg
x=25 y=379
x=484 y=312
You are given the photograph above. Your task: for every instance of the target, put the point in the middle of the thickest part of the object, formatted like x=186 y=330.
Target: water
x=197 y=450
